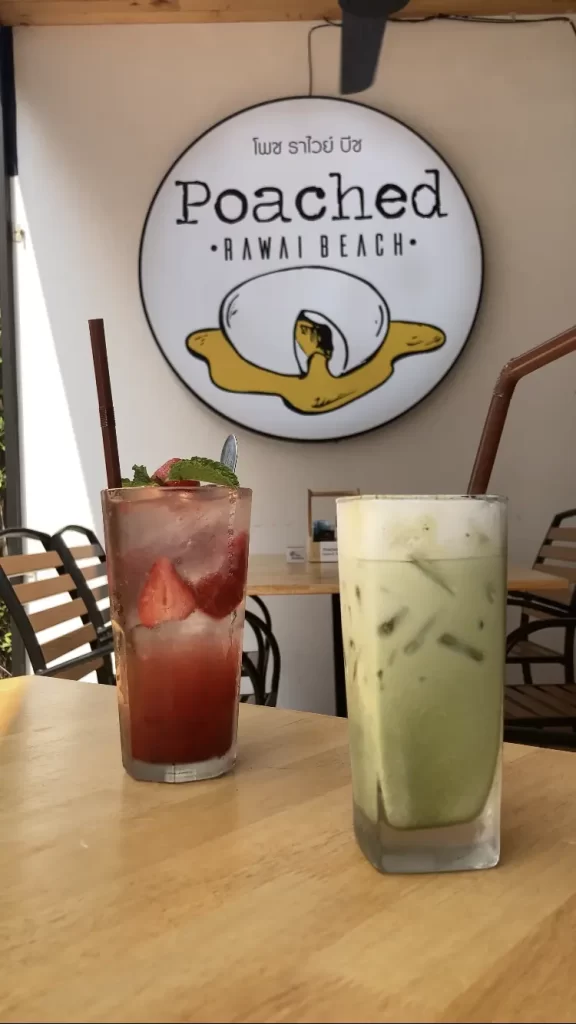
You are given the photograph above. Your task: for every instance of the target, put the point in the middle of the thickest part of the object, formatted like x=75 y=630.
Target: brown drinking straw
x=509 y=376
x=105 y=403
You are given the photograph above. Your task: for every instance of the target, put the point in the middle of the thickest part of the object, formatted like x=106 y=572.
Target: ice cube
x=170 y=636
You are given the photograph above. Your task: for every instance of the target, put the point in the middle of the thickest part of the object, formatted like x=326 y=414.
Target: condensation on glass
x=177 y=561
x=423 y=596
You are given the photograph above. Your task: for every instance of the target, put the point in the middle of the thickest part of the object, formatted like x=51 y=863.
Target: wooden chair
x=557 y=555
x=86 y=564
x=544 y=715
x=26 y=580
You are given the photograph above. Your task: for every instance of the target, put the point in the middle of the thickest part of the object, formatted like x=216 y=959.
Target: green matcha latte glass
x=423 y=593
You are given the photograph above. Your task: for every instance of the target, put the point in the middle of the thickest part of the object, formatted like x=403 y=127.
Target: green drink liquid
x=424 y=656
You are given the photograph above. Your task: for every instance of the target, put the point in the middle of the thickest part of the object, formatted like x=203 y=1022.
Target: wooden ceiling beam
x=138 y=12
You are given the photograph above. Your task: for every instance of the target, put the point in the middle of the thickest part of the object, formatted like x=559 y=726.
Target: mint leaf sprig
x=141 y=478
x=196 y=468
x=206 y=470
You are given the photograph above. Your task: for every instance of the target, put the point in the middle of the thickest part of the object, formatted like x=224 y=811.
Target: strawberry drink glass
x=177 y=562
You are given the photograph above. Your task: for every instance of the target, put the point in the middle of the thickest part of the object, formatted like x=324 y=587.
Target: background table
x=246 y=898
x=272 y=575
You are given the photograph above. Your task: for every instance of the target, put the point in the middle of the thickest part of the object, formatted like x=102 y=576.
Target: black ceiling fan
x=363 y=24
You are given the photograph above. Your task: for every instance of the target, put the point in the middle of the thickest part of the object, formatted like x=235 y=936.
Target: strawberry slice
x=219 y=593
x=161 y=476
x=165 y=596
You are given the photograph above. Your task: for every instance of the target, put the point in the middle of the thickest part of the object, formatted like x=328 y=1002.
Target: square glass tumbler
x=177 y=563
x=423 y=597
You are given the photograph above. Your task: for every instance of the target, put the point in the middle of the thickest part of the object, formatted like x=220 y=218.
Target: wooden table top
x=270 y=575
x=246 y=899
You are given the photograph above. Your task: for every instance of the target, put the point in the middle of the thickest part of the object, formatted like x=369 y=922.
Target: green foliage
x=5 y=636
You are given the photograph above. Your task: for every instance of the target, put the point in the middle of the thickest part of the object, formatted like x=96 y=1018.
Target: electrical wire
x=317 y=28
x=471 y=18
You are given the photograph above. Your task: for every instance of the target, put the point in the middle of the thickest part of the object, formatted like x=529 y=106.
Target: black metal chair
x=557 y=555
x=525 y=651
x=255 y=663
x=542 y=715
x=50 y=579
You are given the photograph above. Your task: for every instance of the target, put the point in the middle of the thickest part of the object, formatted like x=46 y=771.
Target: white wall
x=102 y=113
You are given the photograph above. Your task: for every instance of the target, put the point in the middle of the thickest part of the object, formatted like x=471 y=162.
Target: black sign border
x=263 y=433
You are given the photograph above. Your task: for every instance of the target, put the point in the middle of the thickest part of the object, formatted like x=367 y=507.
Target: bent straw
x=105 y=403
x=509 y=376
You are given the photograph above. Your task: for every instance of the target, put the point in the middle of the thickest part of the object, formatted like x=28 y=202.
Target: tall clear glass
x=423 y=596
x=177 y=563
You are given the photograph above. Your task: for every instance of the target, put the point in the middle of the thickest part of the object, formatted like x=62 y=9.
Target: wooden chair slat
x=78 y=671
x=68 y=642
x=515 y=709
x=545 y=701
x=557 y=553
x=102 y=594
x=558 y=570
x=511 y=712
x=59 y=613
x=528 y=649
x=566 y=693
x=86 y=551
x=565 y=533
x=526 y=702
x=90 y=572
x=523 y=697
x=26 y=592
x=20 y=565
x=561 y=698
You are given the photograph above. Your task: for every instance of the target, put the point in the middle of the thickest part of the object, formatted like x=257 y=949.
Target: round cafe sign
x=311 y=268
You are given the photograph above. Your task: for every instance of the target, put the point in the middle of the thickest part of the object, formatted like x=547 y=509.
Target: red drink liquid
x=182 y=702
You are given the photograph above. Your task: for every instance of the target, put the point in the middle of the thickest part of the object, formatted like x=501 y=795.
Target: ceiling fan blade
x=361 y=41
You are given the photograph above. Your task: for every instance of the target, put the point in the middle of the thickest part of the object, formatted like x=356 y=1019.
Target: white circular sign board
x=311 y=268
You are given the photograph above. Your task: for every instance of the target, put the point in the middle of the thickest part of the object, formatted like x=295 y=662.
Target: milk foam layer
x=401 y=528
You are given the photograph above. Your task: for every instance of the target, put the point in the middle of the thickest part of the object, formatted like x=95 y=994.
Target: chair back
x=84 y=559
x=557 y=554
x=49 y=611
x=255 y=664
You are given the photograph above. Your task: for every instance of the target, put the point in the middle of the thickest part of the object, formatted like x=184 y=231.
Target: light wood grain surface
x=270 y=575
x=117 y=12
x=246 y=899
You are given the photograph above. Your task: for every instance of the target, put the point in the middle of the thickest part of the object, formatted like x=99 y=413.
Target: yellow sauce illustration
x=316 y=390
